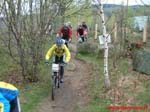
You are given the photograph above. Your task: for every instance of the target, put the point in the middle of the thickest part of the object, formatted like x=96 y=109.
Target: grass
x=33 y=95
x=127 y=84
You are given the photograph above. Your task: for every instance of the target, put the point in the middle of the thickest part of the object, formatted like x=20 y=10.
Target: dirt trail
x=73 y=92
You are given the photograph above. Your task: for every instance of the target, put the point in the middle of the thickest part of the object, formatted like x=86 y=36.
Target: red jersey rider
x=65 y=32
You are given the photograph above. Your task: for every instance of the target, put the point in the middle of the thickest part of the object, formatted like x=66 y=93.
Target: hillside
x=111 y=8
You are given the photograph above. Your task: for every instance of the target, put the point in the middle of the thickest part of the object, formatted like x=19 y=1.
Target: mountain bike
x=55 y=78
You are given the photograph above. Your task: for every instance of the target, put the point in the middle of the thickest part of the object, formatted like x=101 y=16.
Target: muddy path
x=73 y=92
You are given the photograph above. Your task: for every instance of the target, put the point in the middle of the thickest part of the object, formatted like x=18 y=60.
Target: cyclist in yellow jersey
x=60 y=54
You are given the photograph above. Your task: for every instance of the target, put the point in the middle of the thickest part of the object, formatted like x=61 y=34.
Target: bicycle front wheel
x=53 y=86
x=52 y=93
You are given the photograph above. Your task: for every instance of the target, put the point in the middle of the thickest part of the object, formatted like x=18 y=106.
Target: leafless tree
x=106 y=71
x=23 y=36
x=26 y=22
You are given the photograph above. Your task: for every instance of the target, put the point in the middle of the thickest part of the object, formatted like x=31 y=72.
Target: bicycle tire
x=58 y=79
x=53 y=86
x=52 y=94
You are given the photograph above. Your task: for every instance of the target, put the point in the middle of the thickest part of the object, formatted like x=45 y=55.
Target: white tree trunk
x=106 y=75
x=96 y=26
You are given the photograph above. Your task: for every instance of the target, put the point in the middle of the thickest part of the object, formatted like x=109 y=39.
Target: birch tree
x=106 y=74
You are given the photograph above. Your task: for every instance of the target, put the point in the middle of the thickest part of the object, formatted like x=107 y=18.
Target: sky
x=130 y=2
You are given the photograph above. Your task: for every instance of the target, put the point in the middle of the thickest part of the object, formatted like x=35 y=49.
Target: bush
x=86 y=48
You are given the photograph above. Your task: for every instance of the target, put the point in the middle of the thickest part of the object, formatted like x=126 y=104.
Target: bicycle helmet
x=66 y=24
x=69 y=23
x=83 y=21
x=59 y=41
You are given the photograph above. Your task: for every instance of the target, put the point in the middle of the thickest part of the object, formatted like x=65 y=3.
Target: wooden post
x=115 y=33
x=144 y=32
x=96 y=25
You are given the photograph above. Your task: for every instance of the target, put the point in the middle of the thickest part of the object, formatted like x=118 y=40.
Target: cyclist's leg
x=15 y=105
x=85 y=38
x=82 y=38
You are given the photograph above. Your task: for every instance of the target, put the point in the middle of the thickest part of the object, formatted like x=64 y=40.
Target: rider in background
x=84 y=25
x=65 y=32
x=80 y=33
x=9 y=101
x=60 y=53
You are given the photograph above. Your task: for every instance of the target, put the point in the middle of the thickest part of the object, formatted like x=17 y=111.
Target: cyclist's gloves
x=46 y=62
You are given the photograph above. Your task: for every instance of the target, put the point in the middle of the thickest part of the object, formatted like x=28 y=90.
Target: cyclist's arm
x=70 y=33
x=60 y=31
x=50 y=52
x=68 y=56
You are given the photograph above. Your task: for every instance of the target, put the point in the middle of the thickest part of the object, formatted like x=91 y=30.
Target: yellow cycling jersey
x=1 y=107
x=59 y=52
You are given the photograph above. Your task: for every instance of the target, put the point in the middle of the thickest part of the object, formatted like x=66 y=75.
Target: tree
x=106 y=73
x=71 y=8
x=24 y=37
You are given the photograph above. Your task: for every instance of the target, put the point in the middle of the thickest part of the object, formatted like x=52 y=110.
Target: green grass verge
x=134 y=85
x=30 y=94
